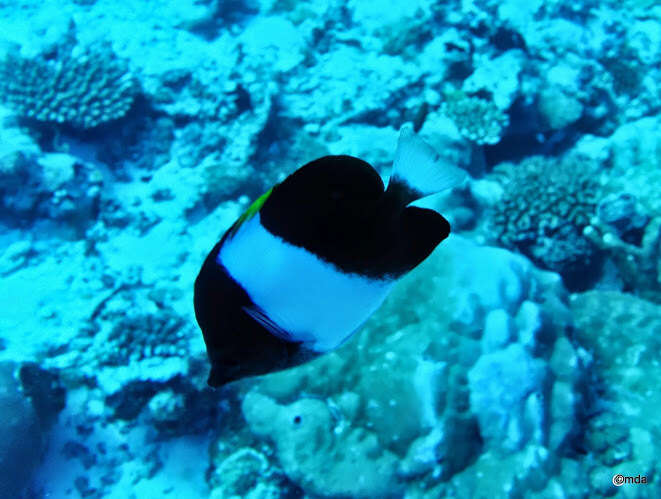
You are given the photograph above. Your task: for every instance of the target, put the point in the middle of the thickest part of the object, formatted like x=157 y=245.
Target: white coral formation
x=477 y=119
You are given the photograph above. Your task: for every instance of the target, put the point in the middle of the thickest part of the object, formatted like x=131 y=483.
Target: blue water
x=519 y=360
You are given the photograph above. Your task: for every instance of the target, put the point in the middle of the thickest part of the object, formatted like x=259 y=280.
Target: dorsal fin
x=420 y=169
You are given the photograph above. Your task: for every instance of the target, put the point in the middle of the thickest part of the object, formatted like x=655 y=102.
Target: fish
x=301 y=270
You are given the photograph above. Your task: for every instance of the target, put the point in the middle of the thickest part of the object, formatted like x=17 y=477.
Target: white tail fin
x=420 y=168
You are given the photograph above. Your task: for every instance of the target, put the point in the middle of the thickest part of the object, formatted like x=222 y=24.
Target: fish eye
x=297 y=419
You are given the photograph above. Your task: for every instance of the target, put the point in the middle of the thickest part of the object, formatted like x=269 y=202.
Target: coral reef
x=545 y=206
x=411 y=401
x=83 y=88
x=132 y=136
x=245 y=474
x=131 y=337
x=477 y=119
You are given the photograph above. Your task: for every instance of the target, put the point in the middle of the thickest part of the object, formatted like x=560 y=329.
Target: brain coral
x=546 y=204
x=82 y=89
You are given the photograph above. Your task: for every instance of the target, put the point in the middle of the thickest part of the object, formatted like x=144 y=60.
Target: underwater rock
x=227 y=166
x=51 y=186
x=498 y=76
x=182 y=408
x=372 y=17
x=623 y=213
x=134 y=334
x=565 y=361
x=558 y=108
x=128 y=402
x=496 y=277
x=505 y=477
x=45 y=391
x=637 y=266
x=166 y=409
x=21 y=438
x=273 y=42
x=563 y=404
x=530 y=324
x=326 y=92
x=624 y=334
x=634 y=152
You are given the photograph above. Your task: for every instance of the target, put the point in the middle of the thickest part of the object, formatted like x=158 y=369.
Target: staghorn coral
x=477 y=119
x=81 y=88
x=546 y=204
x=136 y=336
x=132 y=335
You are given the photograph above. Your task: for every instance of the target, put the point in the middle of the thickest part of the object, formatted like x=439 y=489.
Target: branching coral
x=83 y=90
x=477 y=119
x=136 y=336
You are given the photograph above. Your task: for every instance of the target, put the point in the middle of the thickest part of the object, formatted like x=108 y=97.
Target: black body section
x=237 y=345
x=336 y=208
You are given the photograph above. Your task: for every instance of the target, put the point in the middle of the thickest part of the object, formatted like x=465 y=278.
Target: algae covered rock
x=51 y=186
x=624 y=334
x=463 y=360
x=314 y=455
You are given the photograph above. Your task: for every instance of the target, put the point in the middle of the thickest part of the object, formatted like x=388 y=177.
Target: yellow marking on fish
x=251 y=211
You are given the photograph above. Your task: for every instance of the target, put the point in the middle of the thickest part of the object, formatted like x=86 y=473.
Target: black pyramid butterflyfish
x=310 y=260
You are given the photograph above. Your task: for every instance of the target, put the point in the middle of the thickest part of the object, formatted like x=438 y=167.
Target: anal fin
x=259 y=316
